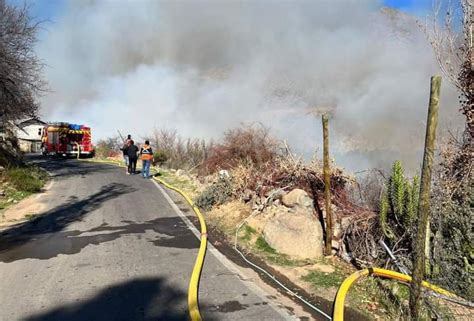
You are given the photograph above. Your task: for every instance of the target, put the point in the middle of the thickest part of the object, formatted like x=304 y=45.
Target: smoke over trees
x=20 y=67
x=205 y=67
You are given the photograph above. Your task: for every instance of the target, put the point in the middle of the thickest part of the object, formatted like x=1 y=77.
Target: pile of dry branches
x=284 y=172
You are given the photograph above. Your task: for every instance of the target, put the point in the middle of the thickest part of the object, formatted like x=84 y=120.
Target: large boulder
x=297 y=198
x=298 y=234
x=259 y=221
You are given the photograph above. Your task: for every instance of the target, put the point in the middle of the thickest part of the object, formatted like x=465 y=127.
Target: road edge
x=225 y=261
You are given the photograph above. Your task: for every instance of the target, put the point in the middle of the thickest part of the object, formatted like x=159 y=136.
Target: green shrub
x=160 y=157
x=27 y=179
x=216 y=194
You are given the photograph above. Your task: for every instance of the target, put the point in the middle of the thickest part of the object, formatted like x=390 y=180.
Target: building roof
x=30 y=121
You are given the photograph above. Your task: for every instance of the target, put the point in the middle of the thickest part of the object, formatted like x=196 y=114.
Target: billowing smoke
x=202 y=67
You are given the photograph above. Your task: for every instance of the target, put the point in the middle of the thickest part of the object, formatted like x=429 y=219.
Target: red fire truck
x=66 y=139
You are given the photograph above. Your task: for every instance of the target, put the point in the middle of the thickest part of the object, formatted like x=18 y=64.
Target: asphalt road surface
x=111 y=247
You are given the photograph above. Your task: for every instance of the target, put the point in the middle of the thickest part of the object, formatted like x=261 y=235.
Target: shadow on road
x=143 y=299
x=173 y=233
x=59 y=217
x=67 y=167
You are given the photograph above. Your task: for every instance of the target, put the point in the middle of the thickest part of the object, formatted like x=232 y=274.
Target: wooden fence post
x=422 y=234
x=327 y=184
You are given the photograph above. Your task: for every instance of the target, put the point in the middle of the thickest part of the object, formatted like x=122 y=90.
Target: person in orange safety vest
x=146 y=154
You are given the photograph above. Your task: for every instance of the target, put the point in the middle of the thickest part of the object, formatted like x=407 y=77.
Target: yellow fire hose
x=193 y=289
x=338 y=314
x=193 y=295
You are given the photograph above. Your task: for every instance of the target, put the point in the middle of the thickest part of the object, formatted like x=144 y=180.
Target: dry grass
x=229 y=215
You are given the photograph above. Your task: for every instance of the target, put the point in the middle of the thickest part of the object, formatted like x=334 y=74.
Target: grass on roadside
x=17 y=183
x=248 y=233
x=271 y=255
x=29 y=179
x=319 y=279
x=180 y=182
x=263 y=246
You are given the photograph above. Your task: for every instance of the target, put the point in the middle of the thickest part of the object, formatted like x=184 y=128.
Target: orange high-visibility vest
x=146 y=153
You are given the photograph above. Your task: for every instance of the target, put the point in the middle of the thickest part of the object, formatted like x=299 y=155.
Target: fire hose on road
x=193 y=292
x=193 y=289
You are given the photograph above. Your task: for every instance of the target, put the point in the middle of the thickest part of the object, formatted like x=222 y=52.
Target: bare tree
x=180 y=153
x=20 y=67
x=450 y=34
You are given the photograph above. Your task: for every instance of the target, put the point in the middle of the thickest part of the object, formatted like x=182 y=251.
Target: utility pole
x=423 y=233
x=327 y=184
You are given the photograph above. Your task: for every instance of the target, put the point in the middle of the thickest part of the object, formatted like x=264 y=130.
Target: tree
x=452 y=43
x=20 y=67
x=451 y=36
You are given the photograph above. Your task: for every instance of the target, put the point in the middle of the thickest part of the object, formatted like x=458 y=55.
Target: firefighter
x=132 y=153
x=146 y=154
x=126 y=143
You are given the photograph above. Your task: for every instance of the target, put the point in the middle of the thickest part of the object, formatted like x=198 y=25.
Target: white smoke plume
x=205 y=66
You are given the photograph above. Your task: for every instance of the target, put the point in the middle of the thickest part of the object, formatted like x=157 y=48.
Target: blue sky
x=42 y=9
x=411 y=6
x=49 y=9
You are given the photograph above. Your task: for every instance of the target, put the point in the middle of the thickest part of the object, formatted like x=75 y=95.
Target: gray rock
x=297 y=234
x=297 y=198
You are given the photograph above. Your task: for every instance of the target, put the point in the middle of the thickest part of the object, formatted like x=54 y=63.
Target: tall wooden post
x=327 y=184
x=424 y=204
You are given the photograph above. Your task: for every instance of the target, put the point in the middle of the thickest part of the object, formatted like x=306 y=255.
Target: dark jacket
x=131 y=151
x=126 y=143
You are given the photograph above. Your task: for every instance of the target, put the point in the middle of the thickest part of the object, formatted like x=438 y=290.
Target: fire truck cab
x=65 y=139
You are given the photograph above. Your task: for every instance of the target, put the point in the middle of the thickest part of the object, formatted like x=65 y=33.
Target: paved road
x=111 y=247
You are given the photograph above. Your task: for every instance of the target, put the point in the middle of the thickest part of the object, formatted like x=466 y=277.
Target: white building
x=28 y=133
